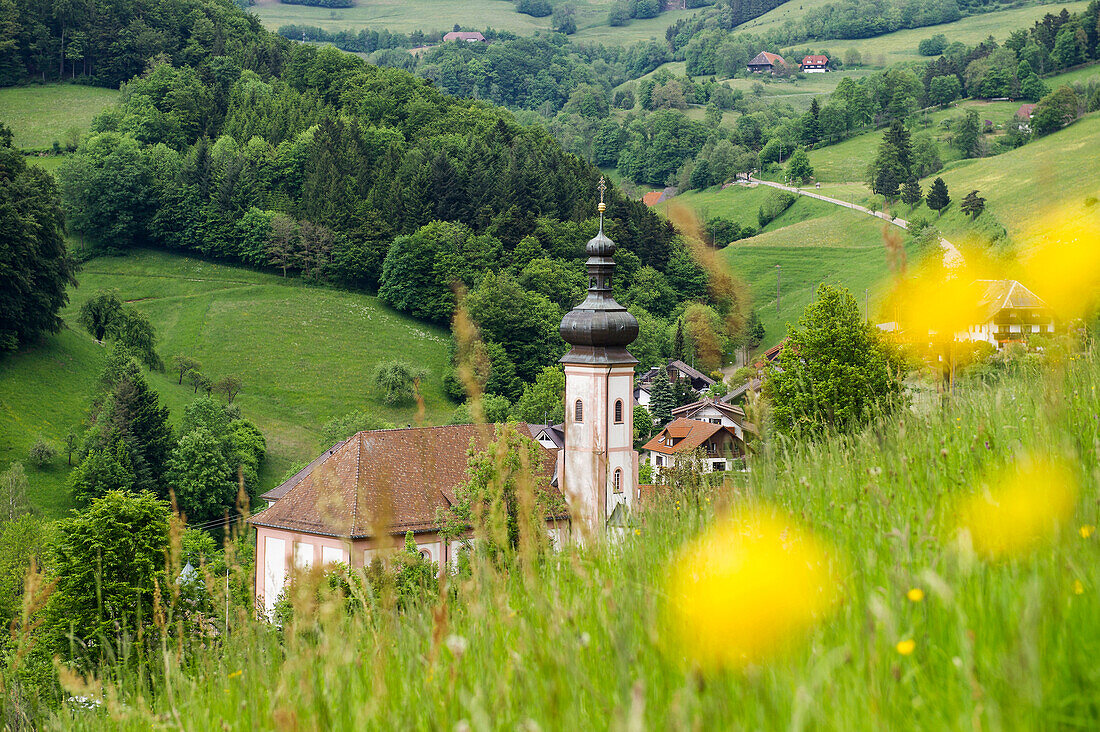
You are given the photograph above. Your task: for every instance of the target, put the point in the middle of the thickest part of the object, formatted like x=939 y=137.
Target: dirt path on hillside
x=952 y=257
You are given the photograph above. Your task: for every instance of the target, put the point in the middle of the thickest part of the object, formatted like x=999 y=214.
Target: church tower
x=600 y=467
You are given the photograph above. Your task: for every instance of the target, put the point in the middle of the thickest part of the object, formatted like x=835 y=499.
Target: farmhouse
x=814 y=64
x=1007 y=312
x=466 y=36
x=720 y=445
x=765 y=61
x=1026 y=111
x=715 y=411
x=677 y=371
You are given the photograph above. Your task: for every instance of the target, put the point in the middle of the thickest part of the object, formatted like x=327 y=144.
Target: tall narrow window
x=617 y=481
x=618 y=411
x=578 y=411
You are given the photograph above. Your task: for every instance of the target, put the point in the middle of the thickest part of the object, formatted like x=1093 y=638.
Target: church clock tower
x=600 y=466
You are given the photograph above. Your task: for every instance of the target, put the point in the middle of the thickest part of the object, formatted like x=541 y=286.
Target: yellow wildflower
x=235 y=674
x=906 y=647
x=915 y=595
x=1078 y=588
x=745 y=589
x=1086 y=531
x=1025 y=505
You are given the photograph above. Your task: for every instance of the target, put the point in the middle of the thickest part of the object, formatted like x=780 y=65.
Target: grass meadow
x=41 y=114
x=304 y=353
x=901 y=45
x=405 y=16
x=929 y=630
x=813 y=242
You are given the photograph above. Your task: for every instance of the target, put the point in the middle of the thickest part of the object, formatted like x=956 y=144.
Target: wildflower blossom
x=1078 y=587
x=915 y=595
x=745 y=589
x=1086 y=531
x=1021 y=507
x=906 y=647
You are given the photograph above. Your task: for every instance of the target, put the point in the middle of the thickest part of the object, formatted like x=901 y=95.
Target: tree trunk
x=61 y=61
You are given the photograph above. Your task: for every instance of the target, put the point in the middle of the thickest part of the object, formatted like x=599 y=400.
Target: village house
x=767 y=62
x=814 y=65
x=1005 y=312
x=466 y=36
x=359 y=498
x=715 y=411
x=677 y=371
x=719 y=445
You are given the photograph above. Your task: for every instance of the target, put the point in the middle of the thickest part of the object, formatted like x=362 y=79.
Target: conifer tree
x=678 y=342
x=973 y=204
x=894 y=160
x=937 y=195
x=662 y=398
x=911 y=192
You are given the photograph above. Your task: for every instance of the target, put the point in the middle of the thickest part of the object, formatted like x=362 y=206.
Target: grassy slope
x=304 y=353
x=38 y=115
x=405 y=16
x=583 y=641
x=813 y=242
x=902 y=45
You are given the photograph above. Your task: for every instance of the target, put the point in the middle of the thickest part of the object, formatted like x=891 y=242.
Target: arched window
x=618 y=411
x=578 y=411
x=617 y=481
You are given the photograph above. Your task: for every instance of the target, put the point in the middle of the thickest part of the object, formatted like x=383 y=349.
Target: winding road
x=952 y=257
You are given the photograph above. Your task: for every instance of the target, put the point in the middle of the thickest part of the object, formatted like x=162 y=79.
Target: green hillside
x=813 y=242
x=406 y=16
x=902 y=45
x=42 y=114
x=304 y=353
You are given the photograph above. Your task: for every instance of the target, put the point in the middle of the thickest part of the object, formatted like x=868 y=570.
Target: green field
x=304 y=353
x=813 y=242
x=405 y=16
x=39 y=115
x=902 y=45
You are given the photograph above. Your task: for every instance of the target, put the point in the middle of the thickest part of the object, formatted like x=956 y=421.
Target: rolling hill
x=304 y=353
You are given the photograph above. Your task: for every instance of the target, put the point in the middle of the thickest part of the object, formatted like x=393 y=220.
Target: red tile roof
x=1026 y=111
x=765 y=58
x=815 y=61
x=385 y=481
x=652 y=197
x=686 y=434
x=463 y=36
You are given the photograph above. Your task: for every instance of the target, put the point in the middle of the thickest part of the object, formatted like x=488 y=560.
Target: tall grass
x=580 y=640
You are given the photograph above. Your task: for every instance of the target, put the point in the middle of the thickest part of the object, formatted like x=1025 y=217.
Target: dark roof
x=687 y=435
x=555 y=432
x=754 y=384
x=997 y=295
x=1026 y=110
x=388 y=481
x=767 y=59
x=691 y=372
x=815 y=61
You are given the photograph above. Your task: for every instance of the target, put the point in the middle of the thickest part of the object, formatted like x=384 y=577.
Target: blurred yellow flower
x=906 y=647
x=1023 y=505
x=915 y=595
x=1086 y=531
x=1064 y=269
x=744 y=590
x=1078 y=588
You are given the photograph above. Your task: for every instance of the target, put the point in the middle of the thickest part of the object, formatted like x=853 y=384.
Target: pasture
x=406 y=16
x=305 y=355
x=901 y=45
x=41 y=114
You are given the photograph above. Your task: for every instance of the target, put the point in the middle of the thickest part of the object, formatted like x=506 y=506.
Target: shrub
x=41 y=453
x=776 y=203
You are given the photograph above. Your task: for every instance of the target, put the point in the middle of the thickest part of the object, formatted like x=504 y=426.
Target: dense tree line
x=35 y=266
x=106 y=43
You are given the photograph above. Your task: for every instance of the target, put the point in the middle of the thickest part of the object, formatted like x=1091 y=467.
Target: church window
x=578 y=411
x=617 y=481
x=618 y=411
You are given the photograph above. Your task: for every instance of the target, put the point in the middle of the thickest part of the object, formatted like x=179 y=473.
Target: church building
x=360 y=497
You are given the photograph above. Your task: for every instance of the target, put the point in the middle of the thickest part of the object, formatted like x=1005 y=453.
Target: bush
x=932 y=46
x=776 y=203
x=534 y=8
x=398 y=381
x=41 y=453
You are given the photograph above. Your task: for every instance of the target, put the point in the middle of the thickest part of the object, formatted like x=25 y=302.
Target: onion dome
x=599 y=329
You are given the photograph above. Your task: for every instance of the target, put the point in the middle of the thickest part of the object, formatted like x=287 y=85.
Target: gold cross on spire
x=602 y=187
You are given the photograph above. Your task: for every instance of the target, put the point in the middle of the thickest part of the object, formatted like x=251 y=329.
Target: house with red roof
x=464 y=36
x=814 y=65
x=719 y=445
x=768 y=62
